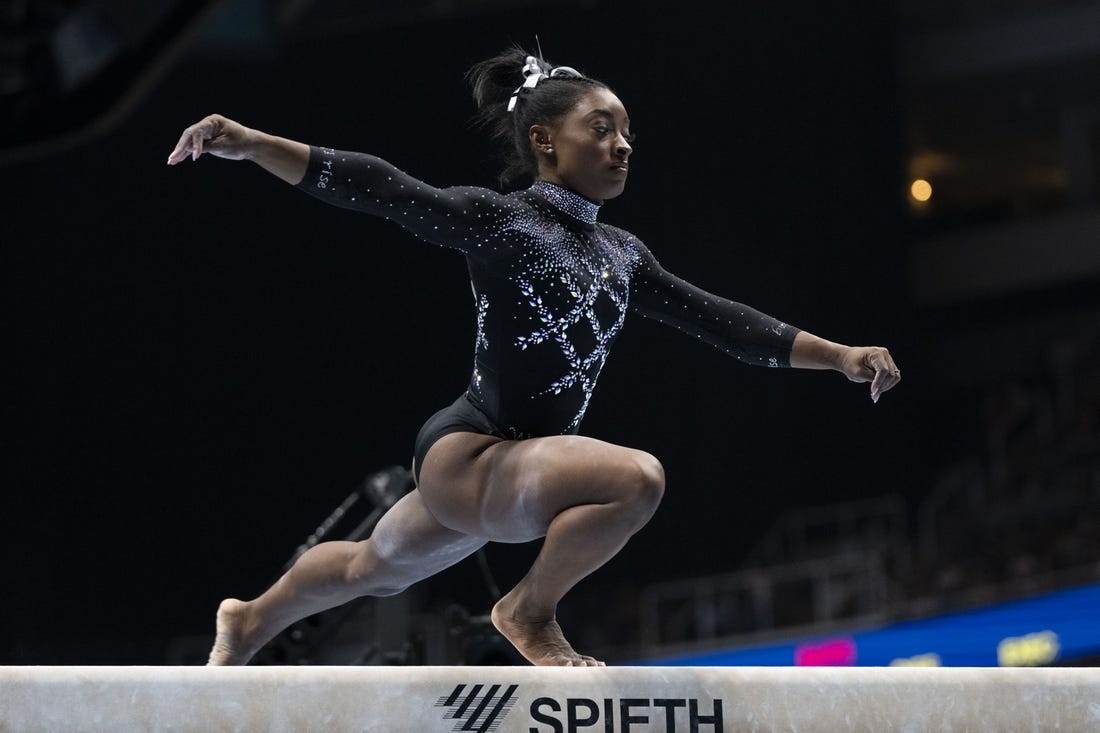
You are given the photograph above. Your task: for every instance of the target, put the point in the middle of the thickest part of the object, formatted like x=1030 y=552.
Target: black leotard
x=551 y=286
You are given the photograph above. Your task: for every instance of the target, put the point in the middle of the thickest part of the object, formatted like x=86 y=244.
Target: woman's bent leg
x=587 y=498
x=407 y=545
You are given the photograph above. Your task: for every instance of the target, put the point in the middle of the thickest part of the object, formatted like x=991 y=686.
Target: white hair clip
x=533 y=73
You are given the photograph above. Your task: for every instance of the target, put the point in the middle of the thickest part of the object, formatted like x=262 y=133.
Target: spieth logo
x=475 y=711
x=480 y=709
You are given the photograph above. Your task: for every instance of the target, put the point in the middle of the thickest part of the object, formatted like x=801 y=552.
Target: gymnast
x=552 y=286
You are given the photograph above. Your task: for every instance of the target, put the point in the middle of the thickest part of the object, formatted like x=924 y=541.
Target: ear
x=542 y=138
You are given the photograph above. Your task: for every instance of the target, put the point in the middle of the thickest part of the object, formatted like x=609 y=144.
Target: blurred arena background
x=208 y=371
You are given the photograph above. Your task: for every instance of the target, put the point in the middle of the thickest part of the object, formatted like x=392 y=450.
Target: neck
x=552 y=177
x=567 y=201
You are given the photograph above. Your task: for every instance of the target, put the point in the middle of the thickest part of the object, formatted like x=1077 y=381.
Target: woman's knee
x=375 y=572
x=646 y=483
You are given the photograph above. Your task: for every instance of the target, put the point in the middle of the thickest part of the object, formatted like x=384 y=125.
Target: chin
x=613 y=191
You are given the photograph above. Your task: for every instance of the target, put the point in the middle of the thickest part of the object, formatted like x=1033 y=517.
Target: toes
x=557 y=660
x=578 y=661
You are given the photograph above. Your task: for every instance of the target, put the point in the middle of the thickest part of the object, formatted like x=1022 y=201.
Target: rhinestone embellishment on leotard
x=557 y=281
x=574 y=205
x=482 y=341
x=559 y=258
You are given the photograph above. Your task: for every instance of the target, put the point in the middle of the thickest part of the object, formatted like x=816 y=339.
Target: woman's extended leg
x=587 y=498
x=407 y=545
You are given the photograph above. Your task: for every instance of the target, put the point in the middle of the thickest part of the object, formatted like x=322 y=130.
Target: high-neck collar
x=567 y=202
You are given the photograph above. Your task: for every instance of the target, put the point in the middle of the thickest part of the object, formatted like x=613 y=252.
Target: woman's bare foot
x=234 y=640
x=539 y=640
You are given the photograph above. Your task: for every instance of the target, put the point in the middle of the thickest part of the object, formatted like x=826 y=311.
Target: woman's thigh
x=410 y=540
x=510 y=491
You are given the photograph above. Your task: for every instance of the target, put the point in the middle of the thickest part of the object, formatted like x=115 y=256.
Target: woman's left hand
x=870 y=364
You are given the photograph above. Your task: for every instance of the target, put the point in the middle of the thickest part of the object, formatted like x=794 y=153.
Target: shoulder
x=476 y=196
x=627 y=242
x=619 y=235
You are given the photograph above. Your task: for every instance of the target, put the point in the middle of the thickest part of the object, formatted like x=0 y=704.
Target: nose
x=622 y=147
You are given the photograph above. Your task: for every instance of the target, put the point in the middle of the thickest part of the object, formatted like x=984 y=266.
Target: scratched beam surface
x=550 y=700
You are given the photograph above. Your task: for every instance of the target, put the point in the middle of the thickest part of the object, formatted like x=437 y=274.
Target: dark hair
x=495 y=80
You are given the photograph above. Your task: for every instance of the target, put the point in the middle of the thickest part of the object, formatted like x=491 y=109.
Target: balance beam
x=551 y=700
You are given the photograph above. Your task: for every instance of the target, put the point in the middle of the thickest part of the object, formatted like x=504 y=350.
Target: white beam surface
x=530 y=699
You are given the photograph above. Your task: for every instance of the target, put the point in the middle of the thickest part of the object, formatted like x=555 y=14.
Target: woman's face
x=587 y=150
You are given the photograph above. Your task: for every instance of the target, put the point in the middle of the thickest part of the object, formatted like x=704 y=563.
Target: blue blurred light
x=1051 y=628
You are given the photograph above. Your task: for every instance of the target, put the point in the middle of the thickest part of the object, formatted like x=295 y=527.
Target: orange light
x=921 y=190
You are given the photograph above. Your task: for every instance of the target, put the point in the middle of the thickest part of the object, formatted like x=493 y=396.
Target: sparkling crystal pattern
x=568 y=202
x=552 y=287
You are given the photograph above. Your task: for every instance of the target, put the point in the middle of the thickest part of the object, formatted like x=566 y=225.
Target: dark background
x=204 y=362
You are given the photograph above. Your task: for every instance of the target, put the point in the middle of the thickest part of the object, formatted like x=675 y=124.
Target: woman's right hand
x=217 y=135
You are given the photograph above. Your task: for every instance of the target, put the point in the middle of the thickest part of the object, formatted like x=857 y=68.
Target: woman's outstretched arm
x=465 y=218
x=748 y=334
x=224 y=138
x=872 y=364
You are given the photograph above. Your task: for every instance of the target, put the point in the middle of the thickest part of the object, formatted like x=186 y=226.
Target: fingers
x=182 y=149
x=883 y=382
x=196 y=145
x=193 y=140
x=886 y=371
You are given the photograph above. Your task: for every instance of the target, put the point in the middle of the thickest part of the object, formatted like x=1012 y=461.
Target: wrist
x=813 y=352
x=255 y=142
x=836 y=355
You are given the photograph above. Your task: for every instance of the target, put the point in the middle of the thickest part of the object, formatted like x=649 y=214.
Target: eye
x=601 y=131
x=631 y=137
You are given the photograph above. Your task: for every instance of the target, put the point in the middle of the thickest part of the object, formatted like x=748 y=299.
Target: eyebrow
x=605 y=113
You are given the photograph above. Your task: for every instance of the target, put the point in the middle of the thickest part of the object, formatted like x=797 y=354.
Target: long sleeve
x=737 y=329
x=460 y=217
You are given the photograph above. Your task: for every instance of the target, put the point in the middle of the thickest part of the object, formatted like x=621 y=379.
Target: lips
x=620 y=167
